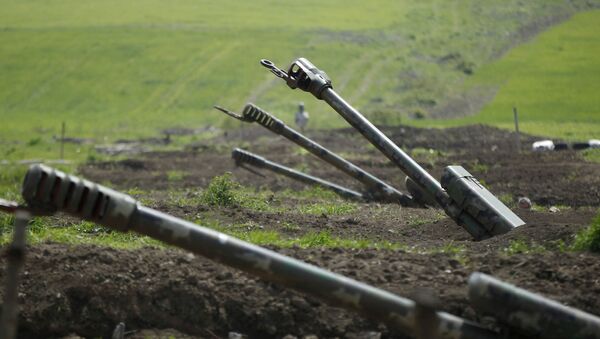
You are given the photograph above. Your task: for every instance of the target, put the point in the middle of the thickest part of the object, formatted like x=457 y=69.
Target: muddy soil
x=550 y=178
x=87 y=290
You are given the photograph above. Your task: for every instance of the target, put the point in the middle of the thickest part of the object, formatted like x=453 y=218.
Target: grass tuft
x=589 y=238
x=221 y=191
x=520 y=246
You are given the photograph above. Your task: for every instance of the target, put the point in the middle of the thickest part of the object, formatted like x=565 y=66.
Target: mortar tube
x=410 y=167
x=376 y=189
x=334 y=289
x=261 y=162
x=48 y=190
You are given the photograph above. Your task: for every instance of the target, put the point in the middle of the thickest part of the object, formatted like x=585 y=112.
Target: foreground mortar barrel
x=530 y=314
x=47 y=190
x=471 y=205
x=376 y=188
x=241 y=156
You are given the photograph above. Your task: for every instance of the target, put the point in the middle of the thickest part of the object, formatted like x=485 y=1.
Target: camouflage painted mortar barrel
x=376 y=188
x=529 y=314
x=47 y=190
x=241 y=156
x=461 y=196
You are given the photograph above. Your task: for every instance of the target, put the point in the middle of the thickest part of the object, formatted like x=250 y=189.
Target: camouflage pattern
x=44 y=188
x=471 y=196
x=529 y=314
x=419 y=194
x=477 y=225
x=245 y=157
x=376 y=189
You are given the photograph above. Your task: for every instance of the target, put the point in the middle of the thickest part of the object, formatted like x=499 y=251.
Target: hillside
x=552 y=80
x=113 y=70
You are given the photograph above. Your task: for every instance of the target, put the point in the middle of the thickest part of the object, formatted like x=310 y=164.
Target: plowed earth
x=87 y=290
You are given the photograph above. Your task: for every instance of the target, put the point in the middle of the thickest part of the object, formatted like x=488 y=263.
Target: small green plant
x=34 y=141
x=315 y=192
x=456 y=251
x=521 y=246
x=506 y=199
x=175 y=175
x=589 y=238
x=321 y=239
x=288 y=226
x=592 y=155
x=479 y=167
x=300 y=151
x=422 y=220
x=221 y=191
x=135 y=191
x=338 y=208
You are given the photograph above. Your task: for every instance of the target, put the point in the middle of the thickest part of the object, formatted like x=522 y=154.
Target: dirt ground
x=87 y=290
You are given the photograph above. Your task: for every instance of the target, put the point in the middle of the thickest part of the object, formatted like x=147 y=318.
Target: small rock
x=553 y=209
x=119 y=331
x=371 y=335
x=235 y=335
x=524 y=203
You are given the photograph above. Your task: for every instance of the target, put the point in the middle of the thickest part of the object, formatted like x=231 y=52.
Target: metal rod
x=62 y=141
x=15 y=260
x=518 y=134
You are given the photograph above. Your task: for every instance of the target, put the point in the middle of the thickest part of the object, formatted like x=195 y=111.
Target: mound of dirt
x=553 y=178
x=87 y=290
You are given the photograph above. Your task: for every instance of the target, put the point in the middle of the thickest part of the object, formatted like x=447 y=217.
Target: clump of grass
x=315 y=192
x=507 y=199
x=41 y=231
x=221 y=191
x=592 y=155
x=175 y=175
x=479 y=167
x=521 y=246
x=291 y=227
x=589 y=238
x=323 y=208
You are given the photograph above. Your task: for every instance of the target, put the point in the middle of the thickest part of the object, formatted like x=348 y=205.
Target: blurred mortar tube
x=47 y=190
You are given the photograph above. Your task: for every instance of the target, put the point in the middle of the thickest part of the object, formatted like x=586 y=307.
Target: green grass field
x=112 y=69
x=552 y=80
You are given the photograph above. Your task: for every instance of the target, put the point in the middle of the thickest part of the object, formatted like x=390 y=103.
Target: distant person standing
x=301 y=117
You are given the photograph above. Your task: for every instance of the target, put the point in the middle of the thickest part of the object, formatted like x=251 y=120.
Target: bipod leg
x=15 y=255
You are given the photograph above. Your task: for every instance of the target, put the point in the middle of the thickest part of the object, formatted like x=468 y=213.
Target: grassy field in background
x=119 y=70
x=552 y=80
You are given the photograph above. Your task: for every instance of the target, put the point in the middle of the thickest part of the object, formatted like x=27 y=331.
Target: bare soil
x=87 y=290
